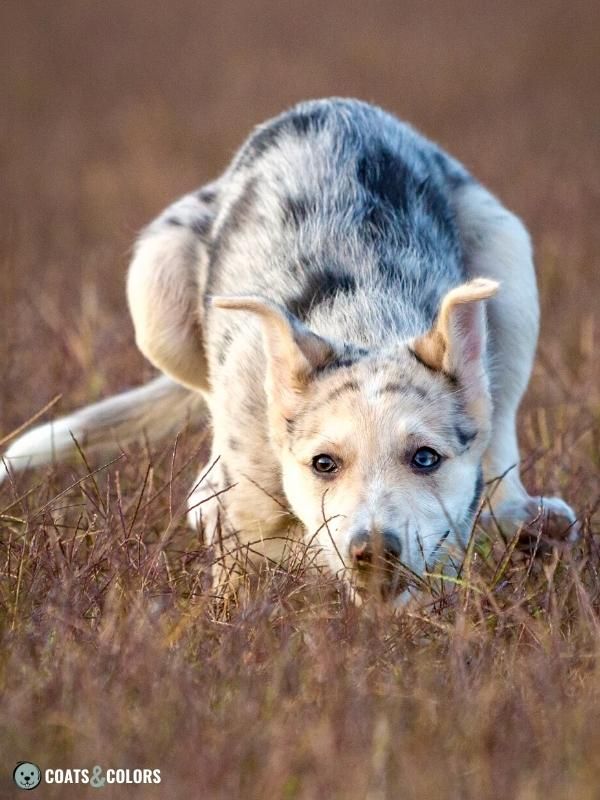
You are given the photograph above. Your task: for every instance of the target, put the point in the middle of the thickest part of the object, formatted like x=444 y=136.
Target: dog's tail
x=157 y=409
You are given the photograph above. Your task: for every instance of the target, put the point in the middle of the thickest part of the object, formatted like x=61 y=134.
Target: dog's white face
x=380 y=452
x=383 y=455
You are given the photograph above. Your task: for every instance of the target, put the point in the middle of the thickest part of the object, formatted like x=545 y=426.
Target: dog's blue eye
x=324 y=464
x=425 y=458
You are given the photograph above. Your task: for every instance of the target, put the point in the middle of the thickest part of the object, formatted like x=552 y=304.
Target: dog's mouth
x=385 y=581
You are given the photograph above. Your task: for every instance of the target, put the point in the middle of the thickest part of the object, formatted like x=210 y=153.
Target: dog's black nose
x=377 y=548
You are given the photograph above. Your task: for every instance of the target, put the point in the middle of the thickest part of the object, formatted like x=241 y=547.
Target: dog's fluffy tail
x=157 y=409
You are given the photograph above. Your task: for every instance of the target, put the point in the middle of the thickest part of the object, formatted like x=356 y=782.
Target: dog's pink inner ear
x=456 y=342
x=293 y=350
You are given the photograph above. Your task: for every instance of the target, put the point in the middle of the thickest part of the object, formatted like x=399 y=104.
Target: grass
x=112 y=652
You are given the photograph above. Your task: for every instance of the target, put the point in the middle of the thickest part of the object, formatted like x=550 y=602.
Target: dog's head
x=381 y=451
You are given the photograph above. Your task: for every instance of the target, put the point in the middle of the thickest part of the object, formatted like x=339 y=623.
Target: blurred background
x=109 y=110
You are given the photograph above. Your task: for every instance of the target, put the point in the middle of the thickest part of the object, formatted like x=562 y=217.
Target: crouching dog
x=359 y=317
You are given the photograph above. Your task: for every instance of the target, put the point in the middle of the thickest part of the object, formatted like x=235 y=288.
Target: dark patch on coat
x=251 y=407
x=293 y=123
x=396 y=185
x=392 y=388
x=450 y=171
x=296 y=210
x=320 y=286
x=226 y=475
x=240 y=214
x=386 y=178
x=263 y=140
x=404 y=203
x=477 y=494
x=200 y=226
x=308 y=121
x=224 y=345
x=348 y=386
x=436 y=205
x=233 y=444
x=304 y=263
x=464 y=437
x=336 y=362
x=441 y=161
x=350 y=355
x=429 y=303
x=377 y=225
x=395 y=387
x=206 y=195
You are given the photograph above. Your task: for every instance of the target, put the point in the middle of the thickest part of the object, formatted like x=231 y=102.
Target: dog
x=359 y=316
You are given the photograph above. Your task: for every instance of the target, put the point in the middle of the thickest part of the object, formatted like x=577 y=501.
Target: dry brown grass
x=111 y=651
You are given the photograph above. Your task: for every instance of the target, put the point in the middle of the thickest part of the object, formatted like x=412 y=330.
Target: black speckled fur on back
x=336 y=205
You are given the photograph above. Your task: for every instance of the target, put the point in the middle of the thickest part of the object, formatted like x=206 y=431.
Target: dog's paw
x=204 y=509
x=549 y=518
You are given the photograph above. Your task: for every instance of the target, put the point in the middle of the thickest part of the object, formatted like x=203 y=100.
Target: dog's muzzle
x=376 y=560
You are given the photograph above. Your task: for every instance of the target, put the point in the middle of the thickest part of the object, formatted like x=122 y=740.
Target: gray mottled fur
x=351 y=203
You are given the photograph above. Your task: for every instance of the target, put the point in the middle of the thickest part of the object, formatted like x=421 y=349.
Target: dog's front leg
x=508 y=505
x=498 y=247
x=208 y=514
x=246 y=529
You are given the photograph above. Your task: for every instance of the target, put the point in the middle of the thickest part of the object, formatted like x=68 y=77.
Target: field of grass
x=111 y=652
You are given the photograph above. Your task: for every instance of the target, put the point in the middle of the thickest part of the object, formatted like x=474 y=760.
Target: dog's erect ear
x=293 y=350
x=456 y=343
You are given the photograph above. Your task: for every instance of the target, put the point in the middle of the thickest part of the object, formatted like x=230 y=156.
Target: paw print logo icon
x=27 y=775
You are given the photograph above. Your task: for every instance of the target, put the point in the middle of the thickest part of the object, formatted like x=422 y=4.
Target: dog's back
x=343 y=215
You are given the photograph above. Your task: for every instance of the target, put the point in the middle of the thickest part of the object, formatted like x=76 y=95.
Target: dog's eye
x=426 y=458
x=324 y=464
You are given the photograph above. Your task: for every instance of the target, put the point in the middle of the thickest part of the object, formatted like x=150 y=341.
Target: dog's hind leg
x=166 y=282
x=165 y=287
x=498 y=246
